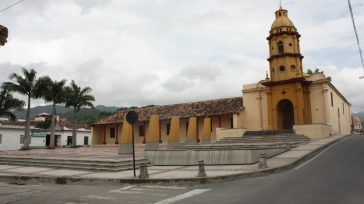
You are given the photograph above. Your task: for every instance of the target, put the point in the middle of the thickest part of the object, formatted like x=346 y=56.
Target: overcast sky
x=141 y=52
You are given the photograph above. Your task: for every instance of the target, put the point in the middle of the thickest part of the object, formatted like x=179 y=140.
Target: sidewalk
x=167 y=174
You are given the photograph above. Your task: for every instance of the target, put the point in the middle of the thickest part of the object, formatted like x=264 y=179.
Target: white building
x=41 y=117
x=12 y=137
x=64 y=137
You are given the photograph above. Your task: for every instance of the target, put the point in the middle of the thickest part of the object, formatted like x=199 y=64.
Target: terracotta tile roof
x=215 y=107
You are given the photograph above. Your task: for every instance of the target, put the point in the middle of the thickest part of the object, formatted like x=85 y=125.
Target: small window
x=186 y=127
x=282 y=68
x=21 y=139
x=112 y=132
x=141 y=130
x=1 y=138
x=332 y=100
x=280 y=47
x=343 y=109
x=168 y=126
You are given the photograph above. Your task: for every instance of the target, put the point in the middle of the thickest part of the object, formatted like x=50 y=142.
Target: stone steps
x=268 y=138
x=232 y=146
x=268 y=132
x=223 y=141
x=75 y=164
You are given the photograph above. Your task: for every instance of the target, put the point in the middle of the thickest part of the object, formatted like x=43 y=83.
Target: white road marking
x=121 y=189
x=182 y=196
x=75 y=203
x=308 y=161
x=165 y=187
x=127 y=192
x=99 y=197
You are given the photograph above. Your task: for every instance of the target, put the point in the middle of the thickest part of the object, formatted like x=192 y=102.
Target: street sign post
x=132 y=118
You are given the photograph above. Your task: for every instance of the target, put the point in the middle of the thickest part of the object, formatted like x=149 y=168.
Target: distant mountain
x=40 y=109
x=86 y=115
x=107 y=108
x=360 y=115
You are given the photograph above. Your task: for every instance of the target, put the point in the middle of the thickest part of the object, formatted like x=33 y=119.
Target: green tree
x=54 y=93
x=46 y=124
x=9 y=103
x=26 y=84
x=77 y=98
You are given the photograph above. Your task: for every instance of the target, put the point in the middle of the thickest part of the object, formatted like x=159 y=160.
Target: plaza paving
x=155 y=172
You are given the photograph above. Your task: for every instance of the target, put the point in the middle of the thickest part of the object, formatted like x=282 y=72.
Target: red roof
x=208 y=108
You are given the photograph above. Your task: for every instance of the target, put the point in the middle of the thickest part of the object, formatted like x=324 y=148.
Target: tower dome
x=282 y=21
x=285 y=59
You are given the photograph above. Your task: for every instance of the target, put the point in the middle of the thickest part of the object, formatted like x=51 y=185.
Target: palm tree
x=26 y=84
x=8 y=103
x=55 y=93
x=77 y=98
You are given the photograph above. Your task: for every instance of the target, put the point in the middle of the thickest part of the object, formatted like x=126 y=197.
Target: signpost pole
x=132 y=135
x=132 y=118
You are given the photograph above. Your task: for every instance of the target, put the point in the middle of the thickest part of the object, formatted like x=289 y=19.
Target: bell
x=3 y=35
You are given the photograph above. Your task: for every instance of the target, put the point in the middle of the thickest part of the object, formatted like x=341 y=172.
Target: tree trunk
x=27 y=139
x=74 y=133
x=53 y=125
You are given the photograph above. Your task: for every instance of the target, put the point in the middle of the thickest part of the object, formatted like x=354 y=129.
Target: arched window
x=280 y=47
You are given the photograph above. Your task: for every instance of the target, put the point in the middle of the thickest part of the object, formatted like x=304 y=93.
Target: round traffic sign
x=132 y=117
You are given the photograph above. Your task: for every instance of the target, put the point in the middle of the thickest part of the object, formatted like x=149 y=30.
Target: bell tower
x=285 y=59
x=288 y=96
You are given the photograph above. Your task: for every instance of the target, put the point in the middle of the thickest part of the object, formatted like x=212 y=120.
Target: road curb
x=23 y=179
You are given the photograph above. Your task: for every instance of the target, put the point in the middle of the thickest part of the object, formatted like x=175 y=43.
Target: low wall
x=223 y=132
x=313 y=131
x=210 y=157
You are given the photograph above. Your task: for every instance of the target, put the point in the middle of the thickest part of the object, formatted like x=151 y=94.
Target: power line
x=11 y=6
x=356 y=35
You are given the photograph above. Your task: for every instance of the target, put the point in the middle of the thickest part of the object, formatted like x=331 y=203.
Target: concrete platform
x=158 y=174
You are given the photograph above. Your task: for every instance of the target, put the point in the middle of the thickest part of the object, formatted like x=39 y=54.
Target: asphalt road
x=334 y=176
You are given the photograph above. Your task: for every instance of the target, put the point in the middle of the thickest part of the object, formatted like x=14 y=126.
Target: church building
x=287 y=99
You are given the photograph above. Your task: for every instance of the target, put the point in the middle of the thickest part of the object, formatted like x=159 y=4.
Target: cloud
x=86 y=5
x=140 y=52
x=204 y=72
x=177 y=84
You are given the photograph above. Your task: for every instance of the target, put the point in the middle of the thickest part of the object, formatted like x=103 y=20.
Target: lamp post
x=3 y=35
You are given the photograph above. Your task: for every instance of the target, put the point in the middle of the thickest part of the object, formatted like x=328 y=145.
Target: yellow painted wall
x=97 y=135
x=313 y=131
x=255 y=115
x=338 y=114
x=319 y=100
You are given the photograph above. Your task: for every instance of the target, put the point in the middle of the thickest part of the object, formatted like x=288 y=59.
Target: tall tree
x=77 y=98
x=54 y=93
x=28 y=85
x=9 y=103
